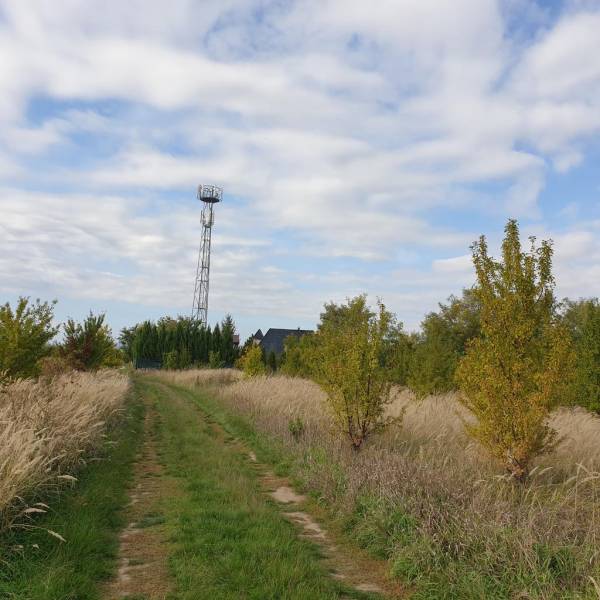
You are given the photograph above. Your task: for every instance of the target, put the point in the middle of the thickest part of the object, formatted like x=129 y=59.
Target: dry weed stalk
x=47 y=428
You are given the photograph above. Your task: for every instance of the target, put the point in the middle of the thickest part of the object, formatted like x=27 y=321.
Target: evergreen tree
x=272 y=361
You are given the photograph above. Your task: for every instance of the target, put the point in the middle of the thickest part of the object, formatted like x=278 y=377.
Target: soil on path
x=143 y=546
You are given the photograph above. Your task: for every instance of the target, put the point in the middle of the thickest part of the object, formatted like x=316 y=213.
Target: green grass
x=88 y=517
x=230 y=542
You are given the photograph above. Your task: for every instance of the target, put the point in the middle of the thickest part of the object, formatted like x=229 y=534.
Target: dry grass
x=462 y=509
x=200 y=377
x=47 y=428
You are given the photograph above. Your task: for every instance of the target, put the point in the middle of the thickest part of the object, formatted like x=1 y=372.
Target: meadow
x=49 y=428
x=429 y=499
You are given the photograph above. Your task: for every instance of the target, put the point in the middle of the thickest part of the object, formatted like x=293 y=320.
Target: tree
x=272 y=361
x=228 y=350
x=25 y=333
x=297 y=357
x=87 y=345
x=348 y=364
x=521 y=365
x=442 y=343
x=398 y=352
x=126 y=338
x=582 y=319
x=252 y=362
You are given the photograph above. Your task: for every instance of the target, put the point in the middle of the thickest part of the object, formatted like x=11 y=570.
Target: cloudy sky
x=362 y=146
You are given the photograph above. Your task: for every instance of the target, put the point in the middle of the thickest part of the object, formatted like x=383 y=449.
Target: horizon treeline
x=179 y=343
x=426 y=361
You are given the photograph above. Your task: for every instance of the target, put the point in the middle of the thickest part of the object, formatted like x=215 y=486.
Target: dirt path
x=143 y=547
x=348 y=564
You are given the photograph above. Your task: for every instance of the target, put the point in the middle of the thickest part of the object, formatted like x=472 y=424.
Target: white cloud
x=340 y=127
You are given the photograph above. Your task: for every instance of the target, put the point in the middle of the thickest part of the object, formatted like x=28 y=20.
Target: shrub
x=252 y=362
x=87 y=345
x=170 y=360
x=296 y=428
x=53 y=365
x=24 y=336
x=520 y=367
x=348 y=364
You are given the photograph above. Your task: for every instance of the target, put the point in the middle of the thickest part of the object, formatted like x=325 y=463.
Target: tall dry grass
x=200 y=377
x=47 y=430
x=429 y=497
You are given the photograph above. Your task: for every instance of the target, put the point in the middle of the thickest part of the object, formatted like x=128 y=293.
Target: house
x=273 y=340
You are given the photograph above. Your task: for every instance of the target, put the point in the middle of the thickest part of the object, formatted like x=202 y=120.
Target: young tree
x=521 y=365
x=126 y=338
x=252 y=362
x=348 y=364
x=87 y=345
x=228 y=350
x=25 y=333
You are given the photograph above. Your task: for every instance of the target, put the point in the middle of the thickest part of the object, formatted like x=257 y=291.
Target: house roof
x=258 y=335
x=273 y=340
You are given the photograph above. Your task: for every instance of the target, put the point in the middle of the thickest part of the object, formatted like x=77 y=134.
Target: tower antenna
x=209 y=195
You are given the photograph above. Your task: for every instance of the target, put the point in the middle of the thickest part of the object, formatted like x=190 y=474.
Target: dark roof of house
x=258 y=335
x=273 y=340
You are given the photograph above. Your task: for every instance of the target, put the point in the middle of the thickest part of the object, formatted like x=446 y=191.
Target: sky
x=361 y=146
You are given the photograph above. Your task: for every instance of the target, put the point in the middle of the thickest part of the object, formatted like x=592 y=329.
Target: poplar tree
x=521 y=365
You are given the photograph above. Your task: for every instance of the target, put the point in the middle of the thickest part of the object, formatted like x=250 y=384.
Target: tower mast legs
x=209 y=195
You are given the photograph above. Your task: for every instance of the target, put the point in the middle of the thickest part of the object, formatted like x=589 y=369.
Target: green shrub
x=296 y=428
x=87 y=346
x=252 y=362
x=25 y=333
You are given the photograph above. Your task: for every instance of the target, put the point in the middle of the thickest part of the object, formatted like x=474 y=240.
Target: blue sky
x=362 y=147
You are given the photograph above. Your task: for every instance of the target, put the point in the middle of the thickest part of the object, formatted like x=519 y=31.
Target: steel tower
x=209 y=195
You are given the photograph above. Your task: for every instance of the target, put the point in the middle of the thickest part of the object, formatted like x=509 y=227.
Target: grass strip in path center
x=230 y=542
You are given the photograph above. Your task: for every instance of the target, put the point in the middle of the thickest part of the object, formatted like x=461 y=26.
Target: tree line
x=180 y=343
x=427 y=361
x=29 y=345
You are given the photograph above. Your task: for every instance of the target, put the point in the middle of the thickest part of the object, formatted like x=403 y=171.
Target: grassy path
x=228 y=540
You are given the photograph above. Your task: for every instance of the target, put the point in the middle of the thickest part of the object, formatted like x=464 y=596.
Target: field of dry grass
x=426 y=496
x=47 y=430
